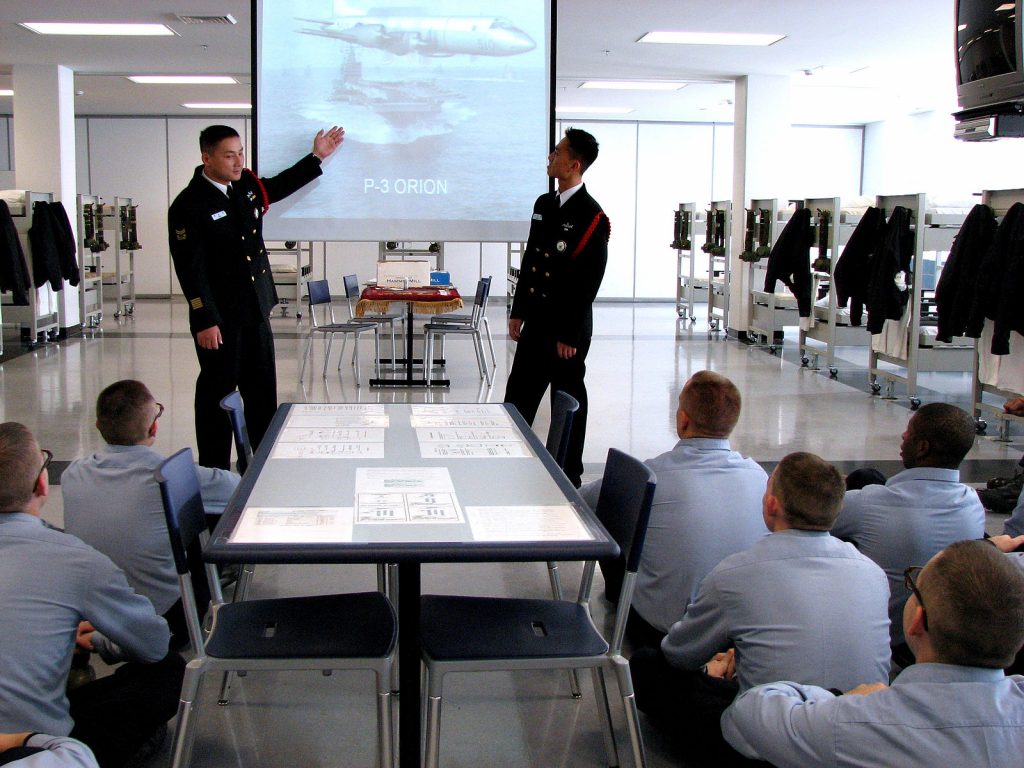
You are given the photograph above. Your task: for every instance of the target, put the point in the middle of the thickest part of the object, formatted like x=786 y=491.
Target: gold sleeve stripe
x=196 y=303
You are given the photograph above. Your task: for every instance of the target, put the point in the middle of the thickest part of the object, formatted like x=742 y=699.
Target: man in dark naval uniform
x=552 y=318
x=215 y=227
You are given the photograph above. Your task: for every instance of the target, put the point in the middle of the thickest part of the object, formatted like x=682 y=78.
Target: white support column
x=761 y=127
x=44 y=148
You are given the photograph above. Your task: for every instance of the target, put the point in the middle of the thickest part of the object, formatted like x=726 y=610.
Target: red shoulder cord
x=589 y=232
x=265 y=198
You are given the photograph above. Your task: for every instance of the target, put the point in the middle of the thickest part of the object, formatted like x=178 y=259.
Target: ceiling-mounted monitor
x=989 y=63
x=446 y=105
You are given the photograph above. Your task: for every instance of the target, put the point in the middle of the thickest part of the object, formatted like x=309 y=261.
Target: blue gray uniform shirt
x=798 y=605
x=112 y=503
x=49 y=582
x=707 y=505
x=933 y=714
x=917 y=513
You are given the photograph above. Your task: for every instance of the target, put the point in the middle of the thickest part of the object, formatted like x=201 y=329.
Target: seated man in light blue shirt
x=707 y=506
x=57 y=593
x=799 y=604
x=964 y=622
x=1014 y=525
x=112 y=501
x=38 y=750
x=919 y=510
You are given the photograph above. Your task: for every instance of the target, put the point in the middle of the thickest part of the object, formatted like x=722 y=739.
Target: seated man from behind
x=707 y=505
x=919 y=510
x=56 y=592
x=964 y=622
x=797 y=605
x=112 y=501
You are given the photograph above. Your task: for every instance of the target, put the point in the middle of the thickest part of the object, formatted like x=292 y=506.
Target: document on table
x=293 y=525
x=391 y=495
x=548 y=523
x=328 y=451
x=457 y=409
x=494 y=434
x=337 y=415
x=331 y=435
x=452 y=415
x=474 y=450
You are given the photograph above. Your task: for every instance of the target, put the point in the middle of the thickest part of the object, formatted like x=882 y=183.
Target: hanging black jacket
x=14 y=275
x=993 y=271
x=790 y=261
x=885 y=301
x=65 y=239
x=42 y=239
x=954 y=294
x=853 y=270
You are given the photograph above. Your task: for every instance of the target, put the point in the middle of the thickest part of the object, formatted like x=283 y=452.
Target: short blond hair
x=712 y=403
x=20 y=463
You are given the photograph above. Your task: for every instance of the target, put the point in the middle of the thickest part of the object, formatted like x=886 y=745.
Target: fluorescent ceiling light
x=634 y=85
x=597 y=110
x=182 y=79
x=6 y=92
x=90 y=28
x=710 y=38
x=217 y=105
x=1005 y=7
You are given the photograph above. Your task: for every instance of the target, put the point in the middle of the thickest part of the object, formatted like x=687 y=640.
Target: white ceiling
x=901 y=51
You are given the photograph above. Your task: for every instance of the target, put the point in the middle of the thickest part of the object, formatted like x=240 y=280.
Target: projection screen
x=446 y=106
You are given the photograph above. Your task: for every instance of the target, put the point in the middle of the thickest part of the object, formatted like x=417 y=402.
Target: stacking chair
x=468 y=325
x=232 y=404
x=381 y=318
x=351 y=631
x=471 y=634
x=563 y=409
x=320 y=296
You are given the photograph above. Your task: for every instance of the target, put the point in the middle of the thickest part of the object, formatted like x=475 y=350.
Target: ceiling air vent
x=226 y=18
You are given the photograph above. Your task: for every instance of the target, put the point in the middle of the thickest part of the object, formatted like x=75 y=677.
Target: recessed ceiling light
x=217 y=105
x=1005 y=7
x=634 y=85
x=6 y=92
x=710 y=38
x=92 y=28
x=182 y=79
x=597 y=110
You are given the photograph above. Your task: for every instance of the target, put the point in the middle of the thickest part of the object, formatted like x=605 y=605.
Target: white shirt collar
x=222 y=187
x=563 y=197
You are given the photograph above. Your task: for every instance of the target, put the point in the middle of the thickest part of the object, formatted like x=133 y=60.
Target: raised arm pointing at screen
x=215 y=229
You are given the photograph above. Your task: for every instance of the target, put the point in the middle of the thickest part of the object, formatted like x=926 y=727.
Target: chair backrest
x=483 y=290
x=624 y=509
x=319 y=294
x=236 y=415
x=624 y=504
x=563 y=410
x=351 y=293
x=183 y=505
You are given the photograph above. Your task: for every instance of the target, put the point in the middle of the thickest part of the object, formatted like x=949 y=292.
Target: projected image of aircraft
x=402 y=31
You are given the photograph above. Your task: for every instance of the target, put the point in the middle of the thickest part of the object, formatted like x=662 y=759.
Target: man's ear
x=153 y=428
x=915 y=625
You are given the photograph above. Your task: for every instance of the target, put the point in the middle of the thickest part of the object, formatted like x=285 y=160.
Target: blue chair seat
x=319 y=627
x=515 y=629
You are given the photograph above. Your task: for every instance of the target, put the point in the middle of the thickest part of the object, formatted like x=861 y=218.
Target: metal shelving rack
x=687 y=283
x=90 y=245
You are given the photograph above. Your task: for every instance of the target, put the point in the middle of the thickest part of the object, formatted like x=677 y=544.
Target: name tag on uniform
x=219 y=215
x=538 y=217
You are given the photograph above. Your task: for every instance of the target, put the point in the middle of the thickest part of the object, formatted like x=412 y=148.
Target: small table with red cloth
x=432 y=300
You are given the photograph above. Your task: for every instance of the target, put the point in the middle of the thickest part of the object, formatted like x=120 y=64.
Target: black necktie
x=231 y=194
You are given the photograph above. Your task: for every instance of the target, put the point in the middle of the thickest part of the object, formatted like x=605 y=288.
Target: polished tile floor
x=640 y=358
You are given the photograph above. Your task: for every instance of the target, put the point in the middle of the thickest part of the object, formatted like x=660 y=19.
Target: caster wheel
x=131 y=309
x=693 y=319
x=772 y=349
x=833 y=372
x=680 y=314
x=805 y=361
x=117 y=313
x=875 y=388
x=298 y=315
x=915 y=403
x=980 y=426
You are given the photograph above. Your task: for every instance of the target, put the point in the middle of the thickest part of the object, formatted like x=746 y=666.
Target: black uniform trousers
x=688 y=705
x=535 y=366
x=245 y=361
x=115 y=715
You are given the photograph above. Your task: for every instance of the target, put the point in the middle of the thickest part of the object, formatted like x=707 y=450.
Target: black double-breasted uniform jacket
x=563 y=266
x=217 y=245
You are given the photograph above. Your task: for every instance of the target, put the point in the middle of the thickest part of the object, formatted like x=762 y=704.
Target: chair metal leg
x=184 y=730
x=605 y=715
x=428 y=355
x=490 y=342
x=625 y=683
x=556 y=583
x=327 y=354
x=305 y=357
x=385 y=720
x=376 y=350
x=394 y=349
x=478 y=342
x=433 y=731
